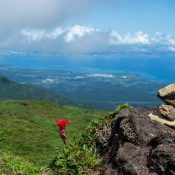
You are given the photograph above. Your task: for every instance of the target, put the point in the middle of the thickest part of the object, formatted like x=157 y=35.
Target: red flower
x=62 y=123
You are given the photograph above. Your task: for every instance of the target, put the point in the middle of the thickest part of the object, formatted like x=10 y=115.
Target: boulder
x=138 y=145
x=132 y=159
x=162 y=158
x=167 y=111
x=167 y=91
x=167 y=94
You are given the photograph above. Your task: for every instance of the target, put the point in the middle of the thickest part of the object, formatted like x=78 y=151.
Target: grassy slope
x=27 y=128
x=13 y=90
x=11 y=165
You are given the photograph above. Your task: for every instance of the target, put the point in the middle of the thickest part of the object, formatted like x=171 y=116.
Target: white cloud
x=136 y=38
x=78 y=31
x=71 y=34
x=37 y=35
x=56 y=33
x=157 y=37
x=39 y=13
x=171 y=39
x=124 y=77
x=79 y=39
x=32 y=25
x=48 y=81
x=100 y=75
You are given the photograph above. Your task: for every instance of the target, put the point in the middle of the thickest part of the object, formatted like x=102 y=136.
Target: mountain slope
x=27 y=128
x=13 y=90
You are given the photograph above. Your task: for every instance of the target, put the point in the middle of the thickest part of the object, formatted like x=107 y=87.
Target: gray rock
x=167 y=111
x=138 y=145
x=167 y=94
x=104 y=136
x=162 y=158
x=132 y=159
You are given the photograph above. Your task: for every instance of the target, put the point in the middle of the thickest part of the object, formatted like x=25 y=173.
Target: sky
x=87 y=26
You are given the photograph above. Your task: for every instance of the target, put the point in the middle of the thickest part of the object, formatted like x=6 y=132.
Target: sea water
x=159 y=67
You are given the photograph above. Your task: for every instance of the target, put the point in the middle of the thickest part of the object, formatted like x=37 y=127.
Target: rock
x=167 y=111
x=134 y=162
x=167 y=94
x=167 y=91
x=170 y=100
x=104 y=136
x=138 y=145
x=162 y=159
x=162 y=121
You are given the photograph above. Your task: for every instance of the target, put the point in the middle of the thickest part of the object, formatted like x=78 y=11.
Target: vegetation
x=10 y=164
x=28 y=132
x=12 y=90
x=73 y=159
x=27 y=128
x=81 y=157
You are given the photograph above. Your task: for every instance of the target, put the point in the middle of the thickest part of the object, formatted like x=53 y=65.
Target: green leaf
x=84 y=146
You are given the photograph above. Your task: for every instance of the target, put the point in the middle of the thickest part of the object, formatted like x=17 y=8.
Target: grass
x=10 y=164
x=74 y=160
x=27 y=128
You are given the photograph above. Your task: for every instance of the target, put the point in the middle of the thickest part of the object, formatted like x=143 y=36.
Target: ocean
x=160 y=67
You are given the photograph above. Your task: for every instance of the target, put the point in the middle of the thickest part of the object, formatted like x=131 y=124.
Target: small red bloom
x=62 y=123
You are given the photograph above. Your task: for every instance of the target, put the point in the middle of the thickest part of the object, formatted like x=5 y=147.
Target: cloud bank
x=87 y=39
x=38 y=13
x=42 y=26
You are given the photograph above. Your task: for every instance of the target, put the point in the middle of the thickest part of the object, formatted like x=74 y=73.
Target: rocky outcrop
x=167 y=94
x=167 y=111
x=167 y=91
x=139 y=142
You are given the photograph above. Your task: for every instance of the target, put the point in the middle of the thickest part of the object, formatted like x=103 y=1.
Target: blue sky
x=61 y=26
x=133 y=15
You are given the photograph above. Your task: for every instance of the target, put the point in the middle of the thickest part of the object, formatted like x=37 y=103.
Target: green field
x=27 y=128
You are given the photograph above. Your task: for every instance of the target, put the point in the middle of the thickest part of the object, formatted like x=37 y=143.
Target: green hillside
x=13 y=90
x=27 y=128
x=16 y=91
